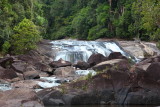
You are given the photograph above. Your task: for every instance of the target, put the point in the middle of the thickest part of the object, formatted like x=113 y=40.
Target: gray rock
x=19 y=66
x=56 y=102
x=64 y=71
x=18 y=97
x=95 y=59
x=120 y=64
x=67 y=98
x=31 y=73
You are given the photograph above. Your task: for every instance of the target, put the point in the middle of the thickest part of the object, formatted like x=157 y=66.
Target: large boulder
x=51 y=97
x=149 y=60
x=142 y=98
x=145 y=88
x=5 y=61
x=19 y=66
x=7 y=73
x=31 y=73
x=140 y=49
x=95 y=59
x=139 y=68
x=85 y=99
x=31 y=57
x=118 y=64
x=43 y=67
x=116 y=55
x=82 y=65
x=100 y=89
x=60 y=63
x=112 y=86
x=29 y=84
x=19 y=97
x=64 y=71
x=154 y=71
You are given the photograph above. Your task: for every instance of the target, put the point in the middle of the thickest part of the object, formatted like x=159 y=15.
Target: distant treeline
x=82 y=19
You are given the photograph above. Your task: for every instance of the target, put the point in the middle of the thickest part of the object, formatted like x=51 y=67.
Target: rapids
x=74 y=51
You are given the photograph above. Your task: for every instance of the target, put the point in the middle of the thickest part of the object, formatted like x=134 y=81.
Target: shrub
x=26 y=36
x=5 y=47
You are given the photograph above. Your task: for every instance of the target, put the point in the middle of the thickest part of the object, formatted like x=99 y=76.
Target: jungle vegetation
x=25 y=22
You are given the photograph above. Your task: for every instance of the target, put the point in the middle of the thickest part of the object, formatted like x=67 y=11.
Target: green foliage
x=148 y=18
x=89 y=76
x=5 y=47
x=26 y=36
x=14 y=11
x=102 y=13
x=83 y=19
x=81 y=23
x=97 y=32
x=63 y=32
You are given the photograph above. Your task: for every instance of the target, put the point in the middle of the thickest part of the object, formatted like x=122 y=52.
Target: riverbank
x=37 y=79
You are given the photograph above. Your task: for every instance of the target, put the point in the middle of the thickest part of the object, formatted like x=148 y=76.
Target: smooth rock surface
x=95 y=59
x=18 y=98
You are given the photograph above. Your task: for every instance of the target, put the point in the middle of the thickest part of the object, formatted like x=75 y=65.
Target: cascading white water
x=74 y=51
x=5 y=87
x=48 y=82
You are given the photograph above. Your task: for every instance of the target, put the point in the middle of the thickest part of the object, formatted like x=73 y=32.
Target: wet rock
x=31 y=73
x=43 y=67
x=50 y=97
x=56 y=102
x=60 y=63
x=1 y=68
x=139 y=68
x=113 y=85
x=19 y=66
x=31 y=57
x=86 y=99
x=140 y=50
x=32 y=104
x=67 y=98
x=95 y=59
x=7 y=73
x=144 y=67
x=149 y=60
x=116 y=55
x=102 y=87
x=30 y=84
x=154 y=71
x=120 y=64
x=142 y=98
x=20 y=75
x=18 y=97
x=45 y=48
x=82 y=65
x=44 y=74
x=64 y=71
x=4 y=62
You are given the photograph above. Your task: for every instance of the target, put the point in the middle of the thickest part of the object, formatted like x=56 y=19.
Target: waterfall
x=74 y=51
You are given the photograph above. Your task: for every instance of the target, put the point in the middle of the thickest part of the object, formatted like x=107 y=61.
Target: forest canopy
x=82 y=19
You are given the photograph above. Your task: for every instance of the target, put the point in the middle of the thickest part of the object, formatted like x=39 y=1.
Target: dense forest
x=25 y=22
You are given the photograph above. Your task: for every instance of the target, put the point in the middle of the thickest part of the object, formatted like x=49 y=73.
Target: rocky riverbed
x=38 y=78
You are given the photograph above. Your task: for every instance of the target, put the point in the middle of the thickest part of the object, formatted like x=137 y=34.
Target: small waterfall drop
x=5 y=87
x=74 y=51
